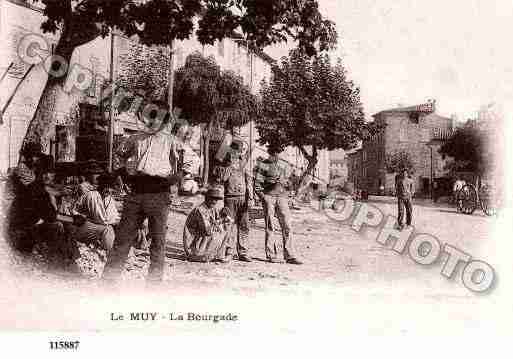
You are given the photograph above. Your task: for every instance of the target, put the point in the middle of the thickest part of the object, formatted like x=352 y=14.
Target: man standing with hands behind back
x=404 y=191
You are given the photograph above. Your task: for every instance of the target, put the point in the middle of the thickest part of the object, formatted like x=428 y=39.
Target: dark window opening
x=414 y=117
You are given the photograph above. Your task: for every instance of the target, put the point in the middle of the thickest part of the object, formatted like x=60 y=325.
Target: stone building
x=417 y=130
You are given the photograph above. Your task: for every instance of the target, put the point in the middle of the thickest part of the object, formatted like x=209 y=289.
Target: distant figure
x=404 y=190
x=458 y=186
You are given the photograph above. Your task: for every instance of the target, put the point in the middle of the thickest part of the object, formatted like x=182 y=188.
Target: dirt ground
x=333 y=254
x=340 y=266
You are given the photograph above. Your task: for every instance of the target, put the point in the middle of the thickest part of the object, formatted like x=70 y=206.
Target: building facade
x=417 y=130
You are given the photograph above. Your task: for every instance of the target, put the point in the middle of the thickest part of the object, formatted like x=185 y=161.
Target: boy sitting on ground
x=96 y=213
x=205 y=236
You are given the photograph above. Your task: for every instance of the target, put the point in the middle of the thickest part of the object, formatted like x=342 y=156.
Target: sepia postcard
x=196 y=176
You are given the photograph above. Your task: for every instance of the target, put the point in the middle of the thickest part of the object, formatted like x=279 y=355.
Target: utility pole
x=171 y=77
x=250 y=54
x=110 y=134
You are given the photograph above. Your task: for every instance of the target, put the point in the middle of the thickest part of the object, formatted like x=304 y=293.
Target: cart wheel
x=467 y=199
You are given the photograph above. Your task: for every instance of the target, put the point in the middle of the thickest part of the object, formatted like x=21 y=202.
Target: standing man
x=271 y=179
x=154 y=172
x=404 y=190
x=238 y=195
x=458 y=186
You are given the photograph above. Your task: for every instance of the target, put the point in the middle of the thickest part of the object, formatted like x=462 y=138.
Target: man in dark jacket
x=404 y=190
x=45 y=226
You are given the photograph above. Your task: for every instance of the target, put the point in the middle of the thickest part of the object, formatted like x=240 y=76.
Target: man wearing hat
x=31 y=153
x=96 y=213
x=238 y=195
x=23 y=176
x=46 y=228
x=91 y=171
x=205 y=234
x=271 y=181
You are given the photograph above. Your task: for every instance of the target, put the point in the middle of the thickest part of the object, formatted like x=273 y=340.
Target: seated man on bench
x=96 y=213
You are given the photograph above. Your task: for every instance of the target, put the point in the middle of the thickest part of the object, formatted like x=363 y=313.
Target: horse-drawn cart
x=469 y=198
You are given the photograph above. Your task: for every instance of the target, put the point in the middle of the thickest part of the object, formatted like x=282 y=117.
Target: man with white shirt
x=96 y=213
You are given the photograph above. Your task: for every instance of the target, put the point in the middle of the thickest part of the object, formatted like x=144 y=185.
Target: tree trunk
x=312 y=159
x=73 y=35
x=44 y=118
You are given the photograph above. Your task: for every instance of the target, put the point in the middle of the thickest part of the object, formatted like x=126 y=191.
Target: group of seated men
x=38 y=218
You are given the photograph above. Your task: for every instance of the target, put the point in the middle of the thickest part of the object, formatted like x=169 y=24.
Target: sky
x=403 y=52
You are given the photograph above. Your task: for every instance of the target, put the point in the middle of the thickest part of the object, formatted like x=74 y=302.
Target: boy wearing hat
x=238 y=194
x=92 y=171
x=205 y=232
x=96 y=213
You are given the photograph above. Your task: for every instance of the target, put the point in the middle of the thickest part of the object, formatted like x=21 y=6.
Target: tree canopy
x=156 y=22
x=311 y=103
x=399 y=161
x=469 y=149
x=144 y=71
x=207 y=95
x=204 y=92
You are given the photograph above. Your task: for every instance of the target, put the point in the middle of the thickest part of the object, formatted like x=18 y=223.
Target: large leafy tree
x=209 y=96
x=310 y=104
x=157 y=22
x=398 y=161
x=144 y=73
x=469 y=149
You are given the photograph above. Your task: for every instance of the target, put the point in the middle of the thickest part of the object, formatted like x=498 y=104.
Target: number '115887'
x=64 y=345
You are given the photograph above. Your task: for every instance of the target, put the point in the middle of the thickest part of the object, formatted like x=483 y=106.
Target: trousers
x=402 y=204
x=279 y=205
x=138 y=207
x=102 y=235
x=240 y=229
